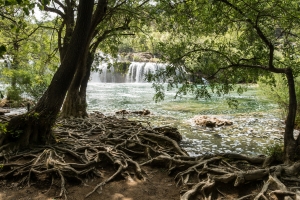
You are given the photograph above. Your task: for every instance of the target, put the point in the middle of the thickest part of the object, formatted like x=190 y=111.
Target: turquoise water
x=256 y=122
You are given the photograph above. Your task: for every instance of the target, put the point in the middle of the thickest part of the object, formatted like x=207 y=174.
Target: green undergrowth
x=276 y=151
x=3 y=128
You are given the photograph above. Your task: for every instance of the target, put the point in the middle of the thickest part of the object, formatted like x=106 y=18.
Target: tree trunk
x=69 y=21
x=75 y=104
x=35 y=126
x=85 y=80
x=291 y=144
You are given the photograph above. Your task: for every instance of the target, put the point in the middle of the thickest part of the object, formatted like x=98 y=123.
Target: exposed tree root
x=85 y=146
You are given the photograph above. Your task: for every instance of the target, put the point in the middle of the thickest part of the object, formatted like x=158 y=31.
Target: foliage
x=159 y=92
x=121 y=67
x=2 y=50
x=147 y=40
x=14 y=94
x=276 y=151
x=5 y=12
x=30 y=56
x=3 y=128
x=274 y=88
x=210 y=43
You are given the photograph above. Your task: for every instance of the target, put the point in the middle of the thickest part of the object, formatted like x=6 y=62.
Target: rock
x=2 y=111
x=141 y=112
x=4 y=103
x=210 y=121
x=123 y=112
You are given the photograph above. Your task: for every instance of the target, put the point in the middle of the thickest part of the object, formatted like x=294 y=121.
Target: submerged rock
x=140 y=112
x=203 y=120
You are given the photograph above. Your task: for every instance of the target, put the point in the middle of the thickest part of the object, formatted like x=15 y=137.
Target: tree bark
x=290 y=143
x=75 y=104
x=35 y=126
x=84 y=82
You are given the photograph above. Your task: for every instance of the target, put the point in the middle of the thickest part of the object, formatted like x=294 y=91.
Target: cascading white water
x=104 y=74
x=135 y=73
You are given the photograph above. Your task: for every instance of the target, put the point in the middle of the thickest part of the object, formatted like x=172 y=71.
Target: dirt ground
x=159 y=186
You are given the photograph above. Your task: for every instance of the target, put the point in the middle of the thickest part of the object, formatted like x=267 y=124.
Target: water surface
x=256 y=122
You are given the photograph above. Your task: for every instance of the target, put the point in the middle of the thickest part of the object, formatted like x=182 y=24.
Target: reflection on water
x=256 y=122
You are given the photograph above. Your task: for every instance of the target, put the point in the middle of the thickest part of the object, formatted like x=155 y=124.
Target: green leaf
x=45 y=2
x=26 y=10
x=2 y=50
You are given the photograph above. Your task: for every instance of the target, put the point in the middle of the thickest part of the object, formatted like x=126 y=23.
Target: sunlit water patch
x=256 y=123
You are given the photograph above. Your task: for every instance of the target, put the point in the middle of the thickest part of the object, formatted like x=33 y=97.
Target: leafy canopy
x=227 y=42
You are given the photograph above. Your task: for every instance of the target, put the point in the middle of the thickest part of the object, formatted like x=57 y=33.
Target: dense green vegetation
x=30 y=58
x=277 y=92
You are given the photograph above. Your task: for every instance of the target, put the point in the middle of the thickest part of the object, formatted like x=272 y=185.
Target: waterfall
x=135 y=73
x=104 y=74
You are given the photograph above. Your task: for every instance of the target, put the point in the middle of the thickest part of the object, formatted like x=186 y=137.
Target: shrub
x=275 y=89
x=13 y=94
x=276 y=151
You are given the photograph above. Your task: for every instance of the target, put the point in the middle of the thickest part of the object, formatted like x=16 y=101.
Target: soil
x=158 y=186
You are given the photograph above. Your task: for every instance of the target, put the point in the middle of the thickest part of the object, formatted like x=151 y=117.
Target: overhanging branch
x=259 y=32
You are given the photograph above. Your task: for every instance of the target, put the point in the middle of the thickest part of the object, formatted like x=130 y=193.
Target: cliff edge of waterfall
x=139 y=57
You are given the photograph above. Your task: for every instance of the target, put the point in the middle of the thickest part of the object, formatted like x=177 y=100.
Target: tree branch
x=6 y=17
x=60 y=4
x=106 y=34
x=258 y=31
x=54 y=10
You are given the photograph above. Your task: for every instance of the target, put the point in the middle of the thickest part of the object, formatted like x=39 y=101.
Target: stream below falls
x=256 y=122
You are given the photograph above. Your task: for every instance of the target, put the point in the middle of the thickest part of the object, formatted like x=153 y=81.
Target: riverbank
x=112 y=157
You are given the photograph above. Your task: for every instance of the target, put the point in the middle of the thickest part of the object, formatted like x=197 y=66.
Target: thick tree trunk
x=290 y=143
x=75 y=104
x=35 y=126
x=85 y=80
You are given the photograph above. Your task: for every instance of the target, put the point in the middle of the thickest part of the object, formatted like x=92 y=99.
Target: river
x=256 y=121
